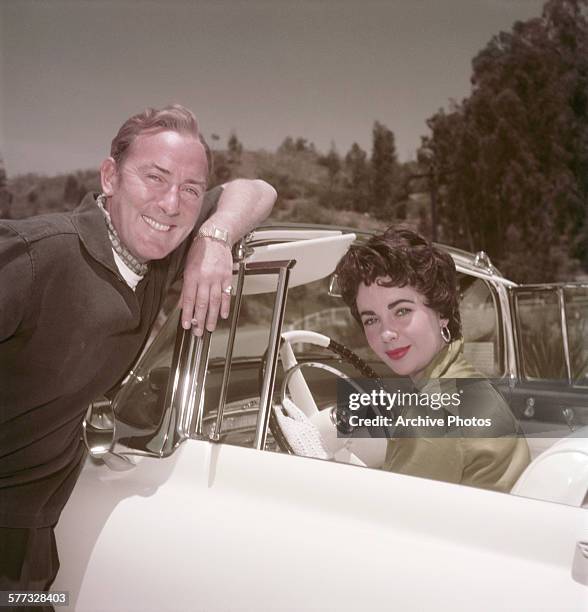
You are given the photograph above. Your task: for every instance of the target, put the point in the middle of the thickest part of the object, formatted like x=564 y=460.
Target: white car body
x=218 y=527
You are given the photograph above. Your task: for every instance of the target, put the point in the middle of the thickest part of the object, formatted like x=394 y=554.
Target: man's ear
x=108 y=176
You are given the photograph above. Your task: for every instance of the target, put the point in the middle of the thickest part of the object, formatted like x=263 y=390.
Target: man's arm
x=243 y=205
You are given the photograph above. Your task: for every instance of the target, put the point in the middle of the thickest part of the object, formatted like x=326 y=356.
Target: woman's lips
x=398 y=353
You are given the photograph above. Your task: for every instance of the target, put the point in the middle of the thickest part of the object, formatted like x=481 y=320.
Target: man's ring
x=228 y=290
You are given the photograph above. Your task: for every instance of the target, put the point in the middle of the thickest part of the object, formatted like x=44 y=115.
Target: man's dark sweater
x=70 y=329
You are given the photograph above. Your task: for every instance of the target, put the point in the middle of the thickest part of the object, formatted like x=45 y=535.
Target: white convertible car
x=191 y=501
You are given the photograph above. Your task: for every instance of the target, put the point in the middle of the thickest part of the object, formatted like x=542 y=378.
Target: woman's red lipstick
x=398 y=353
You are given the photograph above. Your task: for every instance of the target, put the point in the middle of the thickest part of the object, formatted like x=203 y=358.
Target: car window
x=576 y=299
x=540 y=337
x=309 y=307
x=480 y=319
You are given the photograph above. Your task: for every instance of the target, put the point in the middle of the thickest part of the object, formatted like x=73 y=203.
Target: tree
x=384 y=174
x=358 y=182
x=235 y=150
x=332 y=162
x=511 y=161
x=71 y=190
x=5 y=194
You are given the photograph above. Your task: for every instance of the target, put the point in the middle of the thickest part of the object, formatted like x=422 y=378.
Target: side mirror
x=99 y=434
x=334 y=289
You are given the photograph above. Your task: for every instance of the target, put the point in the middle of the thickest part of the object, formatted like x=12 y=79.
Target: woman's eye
x=402 y=312
x=369 y=321
x=154 y=178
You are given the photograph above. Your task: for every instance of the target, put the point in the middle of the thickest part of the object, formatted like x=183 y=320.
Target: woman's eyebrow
x=366 y=312
x=391 y=305
x=396 y=302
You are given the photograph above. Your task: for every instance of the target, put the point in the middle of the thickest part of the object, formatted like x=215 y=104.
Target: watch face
x=220 y=234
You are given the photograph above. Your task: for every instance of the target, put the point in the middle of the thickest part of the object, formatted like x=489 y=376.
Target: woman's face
x=399 y=327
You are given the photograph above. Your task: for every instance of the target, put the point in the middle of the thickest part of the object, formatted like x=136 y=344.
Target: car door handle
x=580 y=564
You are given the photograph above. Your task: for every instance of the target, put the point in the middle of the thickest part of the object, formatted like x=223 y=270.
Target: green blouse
x=482 y=446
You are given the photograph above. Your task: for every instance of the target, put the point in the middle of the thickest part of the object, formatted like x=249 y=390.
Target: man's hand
x=243 y=205
x=207 y=275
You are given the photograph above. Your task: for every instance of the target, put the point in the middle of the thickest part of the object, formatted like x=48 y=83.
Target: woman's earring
x=446 y=334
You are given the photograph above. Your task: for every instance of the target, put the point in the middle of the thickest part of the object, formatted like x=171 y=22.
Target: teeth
x=160 y=227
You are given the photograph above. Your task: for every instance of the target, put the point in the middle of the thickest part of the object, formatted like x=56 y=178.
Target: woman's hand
x=309 y=437
x=302 y=436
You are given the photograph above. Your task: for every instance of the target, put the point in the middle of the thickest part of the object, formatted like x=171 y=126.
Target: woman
x=403 y=292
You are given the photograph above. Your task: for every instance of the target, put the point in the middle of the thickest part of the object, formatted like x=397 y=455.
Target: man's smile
x=160 y=227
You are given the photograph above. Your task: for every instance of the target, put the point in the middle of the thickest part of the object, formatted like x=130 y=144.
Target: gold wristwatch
x=215 y=233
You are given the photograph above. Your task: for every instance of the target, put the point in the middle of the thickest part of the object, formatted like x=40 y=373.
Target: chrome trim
x=184 y=397
x=99 y=434
x=580 y=563
x=195 y=408
x=267 y=387
x=229 y=353
x=482 y=260
x=564 y=331
x=334 y=289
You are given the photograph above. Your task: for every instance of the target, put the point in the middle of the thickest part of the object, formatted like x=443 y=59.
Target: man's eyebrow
x=154 y=165
x=167 y=172
x=192 y=181
x=390 y=305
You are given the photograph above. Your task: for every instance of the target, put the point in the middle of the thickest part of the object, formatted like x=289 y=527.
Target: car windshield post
x=230 y=344
x=267 y=388
x=185 y=389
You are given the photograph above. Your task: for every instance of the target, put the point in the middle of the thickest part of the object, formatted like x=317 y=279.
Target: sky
x=72 y=71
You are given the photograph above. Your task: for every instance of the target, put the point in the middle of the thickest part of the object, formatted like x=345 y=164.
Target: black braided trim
x=356 y=361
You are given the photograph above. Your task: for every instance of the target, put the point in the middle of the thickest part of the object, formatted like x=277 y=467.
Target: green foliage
x=34 y=194
x=358 y=178
x=384 y=164
x=511 y=161
x=544 y=356
x=5 y=195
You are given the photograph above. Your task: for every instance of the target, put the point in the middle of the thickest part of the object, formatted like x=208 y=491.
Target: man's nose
x=389 y=335
x=169 y=201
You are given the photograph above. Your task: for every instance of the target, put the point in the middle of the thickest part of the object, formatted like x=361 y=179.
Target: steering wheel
x=294 y=380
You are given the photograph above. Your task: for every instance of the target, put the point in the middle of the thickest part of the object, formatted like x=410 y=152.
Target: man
x=79 y=293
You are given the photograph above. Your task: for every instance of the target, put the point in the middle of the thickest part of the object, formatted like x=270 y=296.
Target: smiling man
x=80 y=292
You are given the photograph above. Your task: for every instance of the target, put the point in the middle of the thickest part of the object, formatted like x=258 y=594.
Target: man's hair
x=407 y=259
x=176 y=118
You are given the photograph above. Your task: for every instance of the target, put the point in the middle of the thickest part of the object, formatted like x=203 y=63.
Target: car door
x=550 y=394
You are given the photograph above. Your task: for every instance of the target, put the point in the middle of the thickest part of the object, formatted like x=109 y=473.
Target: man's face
x=155 y=194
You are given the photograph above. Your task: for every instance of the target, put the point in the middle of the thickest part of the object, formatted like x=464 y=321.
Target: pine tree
x=512 y=159
x=384 y=166
x=358 y=181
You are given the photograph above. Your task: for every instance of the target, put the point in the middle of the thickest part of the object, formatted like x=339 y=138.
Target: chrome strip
x=564 y=331
x=267 y=388
x=174 y=394
x=229 y=354
x=197 y=374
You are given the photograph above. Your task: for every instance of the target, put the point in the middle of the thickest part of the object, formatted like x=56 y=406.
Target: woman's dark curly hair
x=407 y=259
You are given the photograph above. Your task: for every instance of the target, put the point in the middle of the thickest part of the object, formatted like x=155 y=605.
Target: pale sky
x=73 y=71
